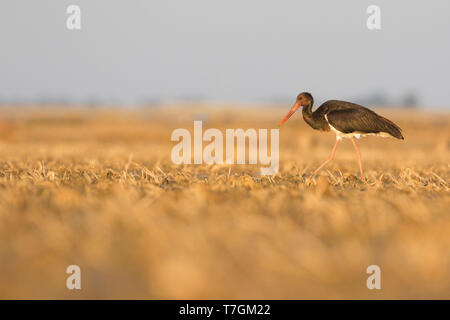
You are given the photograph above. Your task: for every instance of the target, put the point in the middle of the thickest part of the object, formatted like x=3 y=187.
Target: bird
x=347 y=120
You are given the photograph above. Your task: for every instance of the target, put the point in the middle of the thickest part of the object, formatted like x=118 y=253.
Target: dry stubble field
x=97 y=188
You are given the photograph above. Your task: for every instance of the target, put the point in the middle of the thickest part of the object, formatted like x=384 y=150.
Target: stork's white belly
x=357 y=135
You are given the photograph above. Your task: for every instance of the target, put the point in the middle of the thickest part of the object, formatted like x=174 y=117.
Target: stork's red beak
x=291 y=112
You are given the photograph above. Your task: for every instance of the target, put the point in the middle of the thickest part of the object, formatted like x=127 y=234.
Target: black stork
x=346 y=119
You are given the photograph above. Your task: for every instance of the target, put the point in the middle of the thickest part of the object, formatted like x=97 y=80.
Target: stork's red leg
x=331 y=157
x=359 y=158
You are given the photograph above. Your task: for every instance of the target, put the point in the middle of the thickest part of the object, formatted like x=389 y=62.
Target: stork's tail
x=391 y=128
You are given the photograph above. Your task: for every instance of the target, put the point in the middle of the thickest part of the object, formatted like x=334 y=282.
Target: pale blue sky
x=228 y=50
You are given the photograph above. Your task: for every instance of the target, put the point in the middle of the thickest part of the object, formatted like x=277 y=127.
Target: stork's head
x=303 y=99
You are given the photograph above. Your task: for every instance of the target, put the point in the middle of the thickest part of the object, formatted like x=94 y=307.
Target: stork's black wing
x=362 y=120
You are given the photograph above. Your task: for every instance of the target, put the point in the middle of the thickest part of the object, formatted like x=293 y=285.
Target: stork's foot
x=356 y=178
x=362 y=177
x=310 y=178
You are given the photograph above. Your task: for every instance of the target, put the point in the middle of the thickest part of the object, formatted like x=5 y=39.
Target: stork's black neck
x=315 y=119
x=307 y=110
